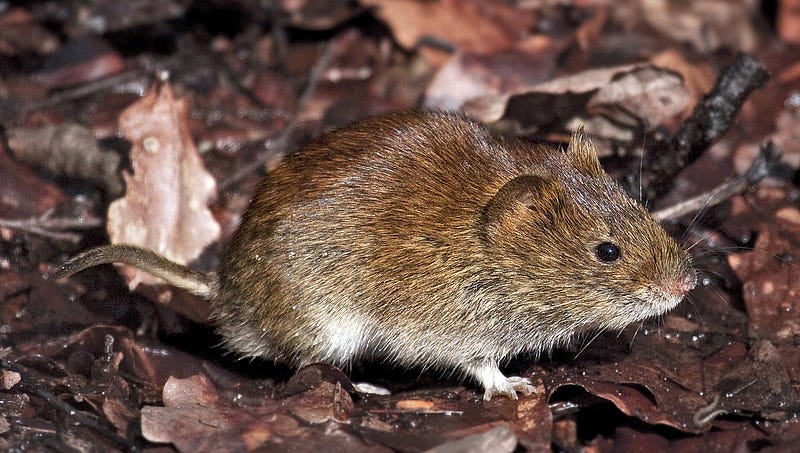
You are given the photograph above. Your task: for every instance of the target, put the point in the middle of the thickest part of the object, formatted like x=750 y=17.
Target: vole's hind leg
x=488 y=374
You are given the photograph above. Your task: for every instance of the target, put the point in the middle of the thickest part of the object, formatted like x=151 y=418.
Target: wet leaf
x=88 y=364
x=196 y=417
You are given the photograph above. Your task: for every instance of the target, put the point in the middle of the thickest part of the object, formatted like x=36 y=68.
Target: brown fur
x=426 y=240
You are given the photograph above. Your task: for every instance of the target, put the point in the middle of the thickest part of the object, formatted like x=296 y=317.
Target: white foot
x=496 y=384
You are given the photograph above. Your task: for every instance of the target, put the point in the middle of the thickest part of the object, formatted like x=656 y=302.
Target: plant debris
x=153 y=123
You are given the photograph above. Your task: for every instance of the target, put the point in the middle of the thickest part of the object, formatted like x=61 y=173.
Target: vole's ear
x=524 y=197
x=582 y=153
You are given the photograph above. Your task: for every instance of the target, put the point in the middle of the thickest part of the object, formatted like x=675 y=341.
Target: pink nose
x=682 y=286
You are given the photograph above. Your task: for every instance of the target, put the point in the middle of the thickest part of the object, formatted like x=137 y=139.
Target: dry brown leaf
x=706 y=24
x=786 y=137
x=20 y=31
x=68 y=149
x=789 y=21
x=647 y=95
x=534 y=420
x=471 y=26
x=24 y=194
x=498 y=438
x=648 y=389
x=192 y=390
x=771 y=287
x=765 y=382
x=165 y=206
x=492 y=108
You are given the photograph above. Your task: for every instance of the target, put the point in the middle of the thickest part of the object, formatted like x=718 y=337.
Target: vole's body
x=426 y=240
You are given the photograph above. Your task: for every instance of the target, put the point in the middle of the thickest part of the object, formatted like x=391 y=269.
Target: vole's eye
x=608 y=252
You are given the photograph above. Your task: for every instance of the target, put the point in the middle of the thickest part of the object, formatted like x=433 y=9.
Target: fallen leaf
x=635 y=94
x=193 y=420
x=771 y=286
x=698 y=77
x=68 y=149
x=786 y=137
x=498 y=439
x=706 y=24
x=646 y=95
x=470 y=26
x=534 y=420
x=165 y=206
x=197 y=417
x=645 y=389
x=492 y=108
x=19 y=31
x=9 y=379
x=192 y=390
x=24 y=194
x=788 y=21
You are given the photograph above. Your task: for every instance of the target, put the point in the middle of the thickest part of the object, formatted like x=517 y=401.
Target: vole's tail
x=203 y=284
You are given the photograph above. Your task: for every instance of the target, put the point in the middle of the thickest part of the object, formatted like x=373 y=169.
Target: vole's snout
x=682 y=285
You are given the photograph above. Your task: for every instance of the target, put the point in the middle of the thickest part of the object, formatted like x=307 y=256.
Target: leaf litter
x=88 y=365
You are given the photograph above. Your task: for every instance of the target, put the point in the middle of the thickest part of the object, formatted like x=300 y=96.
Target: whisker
x=636 y=333
x=641 y=167
x=586 y=345
x=699 y=240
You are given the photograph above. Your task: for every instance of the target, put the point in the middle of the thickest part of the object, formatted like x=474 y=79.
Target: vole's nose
x=682 y=285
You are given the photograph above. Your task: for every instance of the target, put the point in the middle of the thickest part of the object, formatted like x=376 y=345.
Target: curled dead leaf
x=633 y=94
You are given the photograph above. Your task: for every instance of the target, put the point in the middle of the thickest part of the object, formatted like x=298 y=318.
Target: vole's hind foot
x=496 y=384
x=509 y=388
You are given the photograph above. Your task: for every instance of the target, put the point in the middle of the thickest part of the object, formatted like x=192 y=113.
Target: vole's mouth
x=662 y=298
x=653 y=304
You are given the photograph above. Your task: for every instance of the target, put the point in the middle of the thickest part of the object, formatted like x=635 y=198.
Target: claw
x=512 y=385
x=496 y=384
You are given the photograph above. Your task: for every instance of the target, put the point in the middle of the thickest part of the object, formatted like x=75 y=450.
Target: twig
x=768 y=157
x=53 y=227
x=96 y=86
x=714 y=116
x=415 y=411
x=279 y=35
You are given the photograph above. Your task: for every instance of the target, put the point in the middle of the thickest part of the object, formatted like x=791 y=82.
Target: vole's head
x=575 y=241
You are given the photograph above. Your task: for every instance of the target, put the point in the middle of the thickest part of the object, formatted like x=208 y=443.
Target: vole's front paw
x=509 y=388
